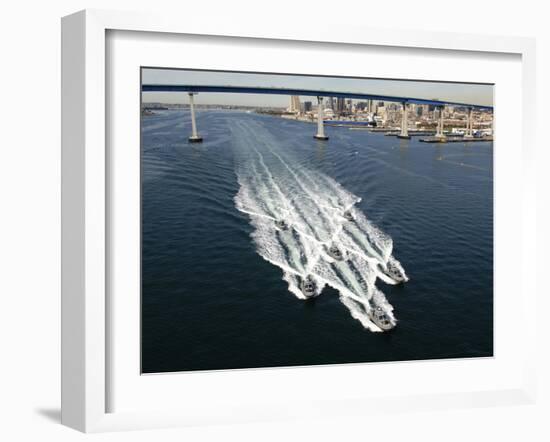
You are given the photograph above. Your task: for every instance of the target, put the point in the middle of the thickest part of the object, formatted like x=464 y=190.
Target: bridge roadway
x=320 y=94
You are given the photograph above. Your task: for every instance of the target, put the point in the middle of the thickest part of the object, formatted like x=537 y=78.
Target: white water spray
x=313 y=205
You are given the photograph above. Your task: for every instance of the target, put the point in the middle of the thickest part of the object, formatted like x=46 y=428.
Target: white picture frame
x=86 y=315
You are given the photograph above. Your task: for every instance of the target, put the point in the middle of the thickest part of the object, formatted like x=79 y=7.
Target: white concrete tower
x=405 y=122
x=439 y=133
x=295 y=106
x=320 y=135
x=194 y=138
x=470 y=124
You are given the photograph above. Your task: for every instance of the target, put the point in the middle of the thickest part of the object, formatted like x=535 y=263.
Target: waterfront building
x=381 y=113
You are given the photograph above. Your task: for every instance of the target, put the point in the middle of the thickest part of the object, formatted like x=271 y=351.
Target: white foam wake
x=273 y=187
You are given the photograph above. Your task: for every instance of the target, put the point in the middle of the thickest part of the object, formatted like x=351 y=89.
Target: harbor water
x=220 y=283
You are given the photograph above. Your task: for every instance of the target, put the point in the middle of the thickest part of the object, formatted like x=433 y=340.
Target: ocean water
x=221 y=284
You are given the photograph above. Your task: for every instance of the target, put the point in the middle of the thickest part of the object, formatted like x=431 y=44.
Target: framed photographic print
x=250 y=214
x=309 y=188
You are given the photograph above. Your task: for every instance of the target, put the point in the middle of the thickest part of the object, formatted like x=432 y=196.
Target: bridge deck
x=300 y=92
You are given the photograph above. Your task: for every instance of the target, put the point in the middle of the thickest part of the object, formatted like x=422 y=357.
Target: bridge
x=193 y=90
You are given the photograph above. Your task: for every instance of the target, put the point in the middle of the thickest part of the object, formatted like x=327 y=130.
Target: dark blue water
x=209 y=301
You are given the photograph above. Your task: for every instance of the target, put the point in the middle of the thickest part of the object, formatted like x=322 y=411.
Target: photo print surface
x=302 y=220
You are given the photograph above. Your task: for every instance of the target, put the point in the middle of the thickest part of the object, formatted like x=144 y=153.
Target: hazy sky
x=480 y=94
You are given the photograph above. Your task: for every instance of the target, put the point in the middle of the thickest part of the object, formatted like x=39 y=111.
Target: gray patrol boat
x=335 y=253
x=348 y=216
x=381 y=319
x=281 y=224
x=393 y=271
x=308 y=286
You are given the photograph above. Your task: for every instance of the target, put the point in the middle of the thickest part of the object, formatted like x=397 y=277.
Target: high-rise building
x=373 y=106
x=381 y=111
x=307 y=106
x=294 y=104
x=369 y=106
x=340 y=105
x=330 y=103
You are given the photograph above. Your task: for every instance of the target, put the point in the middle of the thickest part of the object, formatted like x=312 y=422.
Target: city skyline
x=477 y=94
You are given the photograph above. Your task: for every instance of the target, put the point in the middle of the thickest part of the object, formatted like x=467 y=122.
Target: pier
x=411 y=133
x=459 y=139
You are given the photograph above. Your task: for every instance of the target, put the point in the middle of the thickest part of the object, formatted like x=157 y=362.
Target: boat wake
x=308 y=225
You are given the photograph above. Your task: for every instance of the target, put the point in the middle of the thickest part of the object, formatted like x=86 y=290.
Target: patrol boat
x=381 y=319
x=281 y=224
x=308 y=286
x=335 y=253
x=394 y=271
x=348 y=215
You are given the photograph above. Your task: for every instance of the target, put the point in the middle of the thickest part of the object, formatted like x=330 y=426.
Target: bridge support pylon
x=320 y=135
x=405 y=122
x=194 y=138
x=470 y=124
x=439 y=133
